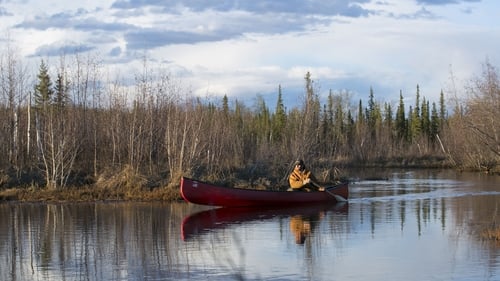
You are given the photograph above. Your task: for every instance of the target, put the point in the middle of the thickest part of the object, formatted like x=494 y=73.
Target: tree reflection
x=104 y=241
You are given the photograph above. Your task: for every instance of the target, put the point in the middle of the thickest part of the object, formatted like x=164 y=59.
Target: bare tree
x=473 y=129
x=57 y=141
x=481 y=117
x=13 y=82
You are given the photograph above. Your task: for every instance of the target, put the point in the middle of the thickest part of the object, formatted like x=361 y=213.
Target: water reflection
x=302 y=226
x=301 y=218
x=86 y=241
x=240 y=241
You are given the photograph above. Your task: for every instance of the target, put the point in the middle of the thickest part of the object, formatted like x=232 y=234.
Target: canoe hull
x=203 y=193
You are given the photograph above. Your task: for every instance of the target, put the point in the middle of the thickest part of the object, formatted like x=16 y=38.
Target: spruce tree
x=225 y=106
x=388 y=118
x=401 y=118
x=425 y=118
x=61 y=98
x=43 y=89
x=279 y=117
x=442 y=109
x=435 y=123
x=416 y=122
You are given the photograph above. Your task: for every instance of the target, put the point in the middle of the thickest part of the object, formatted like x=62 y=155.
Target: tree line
x=72 y=126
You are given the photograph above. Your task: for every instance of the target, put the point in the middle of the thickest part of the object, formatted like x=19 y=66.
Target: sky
x=244 y=49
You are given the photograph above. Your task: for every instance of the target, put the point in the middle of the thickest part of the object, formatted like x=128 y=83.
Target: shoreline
x=87 y=194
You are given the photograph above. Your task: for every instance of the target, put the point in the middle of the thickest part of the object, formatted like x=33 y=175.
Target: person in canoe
x=302 y=179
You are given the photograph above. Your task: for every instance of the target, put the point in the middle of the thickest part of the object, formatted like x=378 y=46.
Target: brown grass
x=124 y=185
x=88 y=194
x=127 y=179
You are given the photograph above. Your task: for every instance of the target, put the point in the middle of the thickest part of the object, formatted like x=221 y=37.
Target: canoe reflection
x=302 y=219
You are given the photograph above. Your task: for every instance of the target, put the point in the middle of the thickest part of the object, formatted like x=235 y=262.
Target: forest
x=67 y=127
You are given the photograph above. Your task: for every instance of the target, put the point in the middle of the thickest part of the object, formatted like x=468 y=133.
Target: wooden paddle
x=337 y=197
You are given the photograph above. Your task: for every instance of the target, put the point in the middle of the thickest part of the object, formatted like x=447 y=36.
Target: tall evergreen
x=43 y=89
x=416 y=123
x=61 y=98
x=435 y=123
x=442 y=109
x=279 y=117
x=388 y=118
x=425 y=118
x=361 y=116
x=410 y=135
x=262 y=119
x=416 y=110
x=401 y=118
x=225 y=106
x=371 y=114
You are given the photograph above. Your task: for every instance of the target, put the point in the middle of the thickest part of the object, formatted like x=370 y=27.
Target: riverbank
x=88 y=194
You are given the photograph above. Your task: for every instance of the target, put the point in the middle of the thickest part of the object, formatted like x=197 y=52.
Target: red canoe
x=208 y=194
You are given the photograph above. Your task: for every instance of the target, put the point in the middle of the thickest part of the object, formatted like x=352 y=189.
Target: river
x=402 y=225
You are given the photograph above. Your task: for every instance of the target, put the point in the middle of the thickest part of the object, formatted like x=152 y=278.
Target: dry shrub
x=4 y=178
x=9 y=194
x=163 y=194
x=128 y=179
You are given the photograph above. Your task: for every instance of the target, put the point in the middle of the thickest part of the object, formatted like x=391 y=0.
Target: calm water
x=412 y=225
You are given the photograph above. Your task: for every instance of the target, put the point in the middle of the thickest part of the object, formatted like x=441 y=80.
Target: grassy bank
x=88 y=194
x=124 y=185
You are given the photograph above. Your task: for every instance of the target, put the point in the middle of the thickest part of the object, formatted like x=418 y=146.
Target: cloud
x=115 y=52
x=350 y=8
x=444 y=2
x=92 y=24
x=151 y=38
x=191 y=22
x=4 y=12
x=76 y=21
x=60 y=48
x=242 y=48
x=61 y=20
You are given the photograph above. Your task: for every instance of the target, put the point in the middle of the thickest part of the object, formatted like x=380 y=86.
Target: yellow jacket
x=296 y=178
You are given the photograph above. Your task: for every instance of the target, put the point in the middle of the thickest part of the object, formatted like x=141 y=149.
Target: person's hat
x=299 y=162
